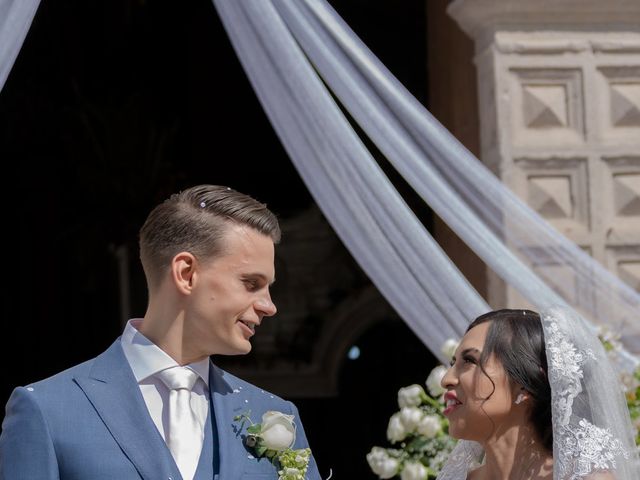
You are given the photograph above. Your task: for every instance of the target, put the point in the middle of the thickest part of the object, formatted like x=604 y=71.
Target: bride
x=535 y=398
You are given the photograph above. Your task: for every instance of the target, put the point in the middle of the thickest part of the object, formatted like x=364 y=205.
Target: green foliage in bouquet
x=633 y=402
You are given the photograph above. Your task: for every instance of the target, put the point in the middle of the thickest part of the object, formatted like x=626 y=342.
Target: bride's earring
x=519 y=399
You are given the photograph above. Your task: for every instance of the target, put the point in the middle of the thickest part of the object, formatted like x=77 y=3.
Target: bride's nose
x=448 y=379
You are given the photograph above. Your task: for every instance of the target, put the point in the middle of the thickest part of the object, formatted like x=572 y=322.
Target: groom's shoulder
x=238 y=385
x=63 y=383
x=50 y=392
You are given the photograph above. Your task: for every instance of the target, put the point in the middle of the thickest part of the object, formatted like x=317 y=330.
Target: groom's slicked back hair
x=194 y=221
x=516 y=338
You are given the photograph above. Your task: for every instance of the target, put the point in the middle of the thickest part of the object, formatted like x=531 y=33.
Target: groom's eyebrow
x=259 y=276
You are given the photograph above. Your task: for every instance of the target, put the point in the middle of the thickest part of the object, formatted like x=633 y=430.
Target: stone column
x=559 y=103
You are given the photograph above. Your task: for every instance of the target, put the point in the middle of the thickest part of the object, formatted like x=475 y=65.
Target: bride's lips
x=451 y=402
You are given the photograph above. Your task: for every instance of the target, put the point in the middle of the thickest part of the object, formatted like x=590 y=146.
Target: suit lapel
x=227 y=403
x=113 y=391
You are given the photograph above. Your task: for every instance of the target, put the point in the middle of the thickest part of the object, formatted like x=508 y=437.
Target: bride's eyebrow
x=467 y=351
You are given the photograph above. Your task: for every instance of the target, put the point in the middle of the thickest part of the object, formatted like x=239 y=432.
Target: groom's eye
x=251 y=285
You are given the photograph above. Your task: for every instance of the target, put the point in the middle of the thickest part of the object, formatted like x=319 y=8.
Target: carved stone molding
x=625 y=261
x=557 y=188
x=619 y=104
x=480 y=19
x=559 y=98
x=621 y=199
x=547 y=105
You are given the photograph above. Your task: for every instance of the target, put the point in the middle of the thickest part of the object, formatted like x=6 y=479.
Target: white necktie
x=185 y=435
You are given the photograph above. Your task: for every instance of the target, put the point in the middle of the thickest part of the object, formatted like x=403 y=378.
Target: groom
x=208 y=257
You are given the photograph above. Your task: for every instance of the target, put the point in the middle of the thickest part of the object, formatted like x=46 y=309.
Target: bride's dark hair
x=516 y=338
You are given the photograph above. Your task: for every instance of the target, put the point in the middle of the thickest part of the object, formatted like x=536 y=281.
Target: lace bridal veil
x=592 y=431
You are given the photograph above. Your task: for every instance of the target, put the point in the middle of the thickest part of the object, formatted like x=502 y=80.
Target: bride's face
x=478 y=403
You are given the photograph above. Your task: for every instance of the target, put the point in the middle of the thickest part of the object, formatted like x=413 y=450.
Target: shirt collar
x=147 y=359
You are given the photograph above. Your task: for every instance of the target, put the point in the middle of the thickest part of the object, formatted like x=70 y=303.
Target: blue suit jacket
x=90 y=422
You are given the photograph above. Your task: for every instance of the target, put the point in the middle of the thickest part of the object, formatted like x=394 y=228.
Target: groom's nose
x=265 y=306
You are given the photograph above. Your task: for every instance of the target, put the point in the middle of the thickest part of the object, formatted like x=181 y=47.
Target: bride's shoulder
x=475 y=473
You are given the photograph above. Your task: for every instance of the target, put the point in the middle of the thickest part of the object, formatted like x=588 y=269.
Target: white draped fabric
x=359 y=201
x=300 y=58
x=15 y=20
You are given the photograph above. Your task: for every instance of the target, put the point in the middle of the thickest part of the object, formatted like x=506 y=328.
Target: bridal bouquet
x=419 y=430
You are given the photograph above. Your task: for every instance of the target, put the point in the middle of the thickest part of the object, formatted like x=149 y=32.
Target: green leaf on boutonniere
x=260 y=450
x=271 y=454
x=254 y=429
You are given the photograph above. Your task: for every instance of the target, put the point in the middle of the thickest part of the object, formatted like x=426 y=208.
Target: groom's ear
x=183 y=272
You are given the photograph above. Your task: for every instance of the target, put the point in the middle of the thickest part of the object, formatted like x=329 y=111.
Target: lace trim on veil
x=580 y=447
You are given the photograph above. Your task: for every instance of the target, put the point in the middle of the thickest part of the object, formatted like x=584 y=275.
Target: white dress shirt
x=146 y=360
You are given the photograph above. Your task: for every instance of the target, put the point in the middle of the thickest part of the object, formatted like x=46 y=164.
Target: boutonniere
x=273 y=439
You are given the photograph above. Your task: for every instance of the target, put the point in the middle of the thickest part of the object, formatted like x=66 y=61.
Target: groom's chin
x=238 y=347
x=241 y=348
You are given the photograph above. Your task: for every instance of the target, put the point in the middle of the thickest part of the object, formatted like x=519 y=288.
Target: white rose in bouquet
x=410 y=396
x=396 y=430
x=434 y=379
x=410 y=417
x=414 y=471
x=278 y=431
x=429 y=426
x=381 y=463
x=449 y=348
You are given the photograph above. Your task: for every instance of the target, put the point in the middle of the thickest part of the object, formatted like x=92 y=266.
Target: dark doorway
x=342 y=430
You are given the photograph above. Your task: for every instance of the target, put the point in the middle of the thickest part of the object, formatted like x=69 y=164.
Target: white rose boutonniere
x=273 y=438
x=278 y=431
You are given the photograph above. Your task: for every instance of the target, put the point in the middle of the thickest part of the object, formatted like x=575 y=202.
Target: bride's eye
x=469 y=359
